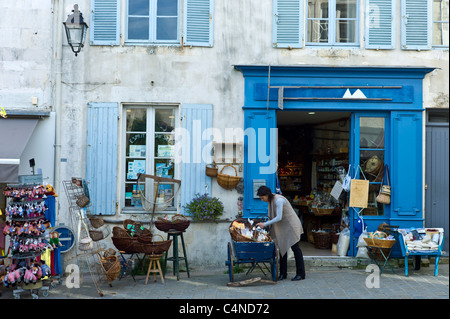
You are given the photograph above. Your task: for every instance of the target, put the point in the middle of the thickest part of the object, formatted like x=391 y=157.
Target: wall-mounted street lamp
x=76 y=30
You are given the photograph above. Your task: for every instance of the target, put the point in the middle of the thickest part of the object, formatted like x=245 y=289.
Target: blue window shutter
x=104 y=25
x=195 y=118
x=198 y=23
x=260 y=156
x=287 y=29
x=380 y=24
x=101 y=157
x=416 y=24
x=406 y=170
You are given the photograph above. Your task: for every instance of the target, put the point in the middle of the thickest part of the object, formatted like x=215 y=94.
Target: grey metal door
x=437 y=173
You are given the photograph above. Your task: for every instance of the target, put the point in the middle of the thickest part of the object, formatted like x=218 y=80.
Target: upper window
x=332 y=22
x=154 y=21
x=440 y=23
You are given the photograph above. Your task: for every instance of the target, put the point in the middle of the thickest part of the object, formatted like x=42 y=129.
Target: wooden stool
x=154 y=261
x=175 y=255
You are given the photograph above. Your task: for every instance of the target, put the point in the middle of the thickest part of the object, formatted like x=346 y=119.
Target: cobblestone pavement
x=320 y=283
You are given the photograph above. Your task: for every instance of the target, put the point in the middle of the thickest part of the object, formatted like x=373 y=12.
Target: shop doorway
x=313 y=151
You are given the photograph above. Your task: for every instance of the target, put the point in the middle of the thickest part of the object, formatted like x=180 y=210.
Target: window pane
x=138 y=28
x=136 y=120
x=346 y=9
x=164 y=145
x=317 y=9
x=166 y=28
x=371 y=132
x=167 y=8
x=132 y=197
x=372 y=164
x=138 y=7
x=317 y=31
x=346 y=31
x=164 y=120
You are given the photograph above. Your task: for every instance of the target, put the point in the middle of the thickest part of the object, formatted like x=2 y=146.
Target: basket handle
x=153 y=239
x=176 y=216
x=235 y=171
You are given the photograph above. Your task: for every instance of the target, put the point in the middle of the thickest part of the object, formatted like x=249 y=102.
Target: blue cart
x=255 y=253
x=417 y=254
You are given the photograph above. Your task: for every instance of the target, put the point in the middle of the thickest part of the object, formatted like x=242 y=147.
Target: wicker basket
x=96 y=222
x=228 y=181
x=164 y=225
x=145 y=239
x=322 y=211
x=180 y=222
x=322 y=240
x=96 y=235
x=236 y=236
x=123 y=241
x=379 y=243
x=211 y=171
x=135 y=228
x=155 y=247
x=111 y=267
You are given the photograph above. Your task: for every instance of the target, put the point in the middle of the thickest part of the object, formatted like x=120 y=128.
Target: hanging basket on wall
x=228 y=181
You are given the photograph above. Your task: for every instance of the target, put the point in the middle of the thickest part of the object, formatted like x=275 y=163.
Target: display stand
x=88 y=249
x=25 y=212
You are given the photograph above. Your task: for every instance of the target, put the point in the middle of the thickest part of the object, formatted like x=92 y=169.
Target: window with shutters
x=152 y=22
x=155 y=21
x=149 y=147
x=440 y=23
x=332 y=22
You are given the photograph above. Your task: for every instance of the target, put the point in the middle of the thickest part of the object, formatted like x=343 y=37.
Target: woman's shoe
x=282 y=277
x=297 y=277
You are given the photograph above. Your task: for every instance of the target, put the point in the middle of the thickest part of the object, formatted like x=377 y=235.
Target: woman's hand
x=260 y=225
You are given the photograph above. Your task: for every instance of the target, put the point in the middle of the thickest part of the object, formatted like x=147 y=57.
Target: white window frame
x=152 y=26
x=442 y=22
x=332 y=27
x=150 y=152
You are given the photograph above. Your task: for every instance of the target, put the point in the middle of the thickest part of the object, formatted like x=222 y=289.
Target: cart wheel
x=416 y=262
x=230 y=263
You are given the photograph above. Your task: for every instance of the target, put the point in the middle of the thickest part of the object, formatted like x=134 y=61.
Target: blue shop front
x=370 y=123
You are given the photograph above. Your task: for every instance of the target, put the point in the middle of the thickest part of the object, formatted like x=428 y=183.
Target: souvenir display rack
x=25 y=212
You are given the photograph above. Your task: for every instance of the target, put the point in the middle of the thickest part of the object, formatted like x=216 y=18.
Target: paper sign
x=337 y=190
x=359 y=193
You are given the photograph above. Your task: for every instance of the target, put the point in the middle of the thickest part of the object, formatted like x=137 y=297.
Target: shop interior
x=313 y=153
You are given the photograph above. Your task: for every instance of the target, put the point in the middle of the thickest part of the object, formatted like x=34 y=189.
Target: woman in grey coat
x=286 y=230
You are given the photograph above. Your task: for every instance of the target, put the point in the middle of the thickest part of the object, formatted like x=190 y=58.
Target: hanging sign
x=359 y=193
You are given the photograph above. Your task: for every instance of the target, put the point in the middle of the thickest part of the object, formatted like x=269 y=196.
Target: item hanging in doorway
x=359 y=191
x=384 y=196
x=347 y=181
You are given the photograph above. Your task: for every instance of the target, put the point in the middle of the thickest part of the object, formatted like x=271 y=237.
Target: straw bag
x=384 y=196
x=228 y=181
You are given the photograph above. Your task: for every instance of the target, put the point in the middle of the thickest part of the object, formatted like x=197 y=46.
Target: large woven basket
x=134 y=227
x=322 y=240
x=180 y=222
x=111 y=267
x=123 y=241
x=155 y=247
x=379 y=243
x=228 y=181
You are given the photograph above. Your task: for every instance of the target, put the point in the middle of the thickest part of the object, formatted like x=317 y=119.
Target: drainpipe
x=58 y=17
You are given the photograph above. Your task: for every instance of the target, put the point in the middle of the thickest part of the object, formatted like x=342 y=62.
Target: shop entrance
x=313 y=151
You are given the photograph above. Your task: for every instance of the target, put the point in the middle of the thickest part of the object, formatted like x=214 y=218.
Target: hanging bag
x=384 y=196
x=359 y=191
x=347 y=181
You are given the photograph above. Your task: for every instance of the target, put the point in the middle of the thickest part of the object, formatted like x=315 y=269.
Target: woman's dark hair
x=264 y=190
